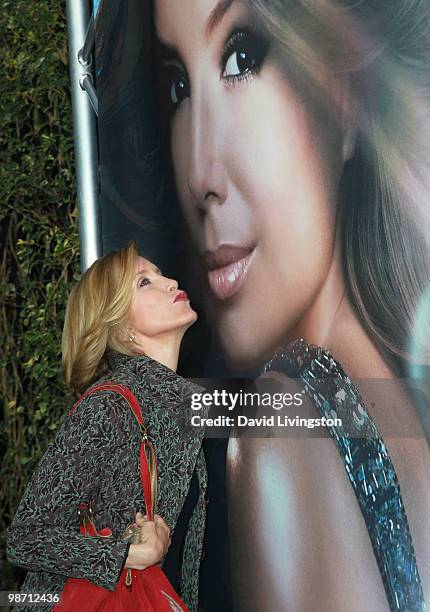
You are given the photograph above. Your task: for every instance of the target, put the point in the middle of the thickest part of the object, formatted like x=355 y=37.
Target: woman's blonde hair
x=95 y=320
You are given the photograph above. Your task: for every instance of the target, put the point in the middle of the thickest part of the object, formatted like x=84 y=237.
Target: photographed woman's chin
x=242 y=352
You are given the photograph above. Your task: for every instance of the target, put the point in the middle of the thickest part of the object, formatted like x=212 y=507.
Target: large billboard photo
x=274 y=156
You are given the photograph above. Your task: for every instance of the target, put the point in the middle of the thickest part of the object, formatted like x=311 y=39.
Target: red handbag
x=147 y=590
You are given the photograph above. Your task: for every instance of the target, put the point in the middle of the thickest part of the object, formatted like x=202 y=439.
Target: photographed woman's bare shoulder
x=293 y=503
x=301 y=483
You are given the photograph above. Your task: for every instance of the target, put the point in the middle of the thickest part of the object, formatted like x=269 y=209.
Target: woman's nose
x=172 y=284
x=206 y=177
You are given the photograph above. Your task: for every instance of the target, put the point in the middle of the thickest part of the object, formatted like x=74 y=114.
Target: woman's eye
x=143 y=281
x=174 y=87
x=244 y=54
x=179 y=90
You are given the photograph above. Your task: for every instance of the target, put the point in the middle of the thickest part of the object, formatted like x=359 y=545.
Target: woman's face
x=157 y=307
x=257 y=173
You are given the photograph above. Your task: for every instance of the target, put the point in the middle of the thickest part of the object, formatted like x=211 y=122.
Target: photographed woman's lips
x=181 y=296
x=227 y=268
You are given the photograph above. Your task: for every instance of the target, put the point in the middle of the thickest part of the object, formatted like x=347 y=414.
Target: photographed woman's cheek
x=284 y=185
x=180 y=144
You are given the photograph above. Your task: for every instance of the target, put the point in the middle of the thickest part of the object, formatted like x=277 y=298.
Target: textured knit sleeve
x=44 y=534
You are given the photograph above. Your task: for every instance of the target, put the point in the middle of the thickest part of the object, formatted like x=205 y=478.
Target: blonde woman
x=124 y=323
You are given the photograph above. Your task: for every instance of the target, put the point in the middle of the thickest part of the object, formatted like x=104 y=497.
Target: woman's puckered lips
x=182 y=295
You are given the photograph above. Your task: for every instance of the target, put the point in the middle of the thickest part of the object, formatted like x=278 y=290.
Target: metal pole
x=85 y=136
x=84 y=54
x=86 y=83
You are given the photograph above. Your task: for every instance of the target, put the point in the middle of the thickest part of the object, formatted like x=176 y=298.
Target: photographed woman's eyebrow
x=169 y=53
x=216 y=16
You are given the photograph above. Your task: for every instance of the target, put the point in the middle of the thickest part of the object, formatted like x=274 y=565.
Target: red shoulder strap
x=148 y=463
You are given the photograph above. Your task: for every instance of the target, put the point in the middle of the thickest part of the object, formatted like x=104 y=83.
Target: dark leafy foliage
x=38 y=225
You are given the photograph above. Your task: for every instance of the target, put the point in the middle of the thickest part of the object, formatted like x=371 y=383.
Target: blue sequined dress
x=367 y=463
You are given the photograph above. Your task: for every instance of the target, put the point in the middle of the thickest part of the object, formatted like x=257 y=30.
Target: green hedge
x=39 y=258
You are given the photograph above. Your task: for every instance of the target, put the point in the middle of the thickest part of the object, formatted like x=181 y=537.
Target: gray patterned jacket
x=95 y=456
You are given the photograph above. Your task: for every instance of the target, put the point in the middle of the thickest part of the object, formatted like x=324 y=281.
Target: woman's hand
x=154 y=543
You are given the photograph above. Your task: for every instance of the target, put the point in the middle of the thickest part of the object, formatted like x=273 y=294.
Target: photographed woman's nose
x=205 y=170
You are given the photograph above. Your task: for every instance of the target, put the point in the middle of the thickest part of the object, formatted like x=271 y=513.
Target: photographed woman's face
x=257 y=173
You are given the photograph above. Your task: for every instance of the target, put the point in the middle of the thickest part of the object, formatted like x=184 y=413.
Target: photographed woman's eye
x=179 y=90
x=174 y=87
x=244 y=54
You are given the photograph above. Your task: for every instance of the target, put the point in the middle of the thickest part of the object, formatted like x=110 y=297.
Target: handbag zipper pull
x=129 y=579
